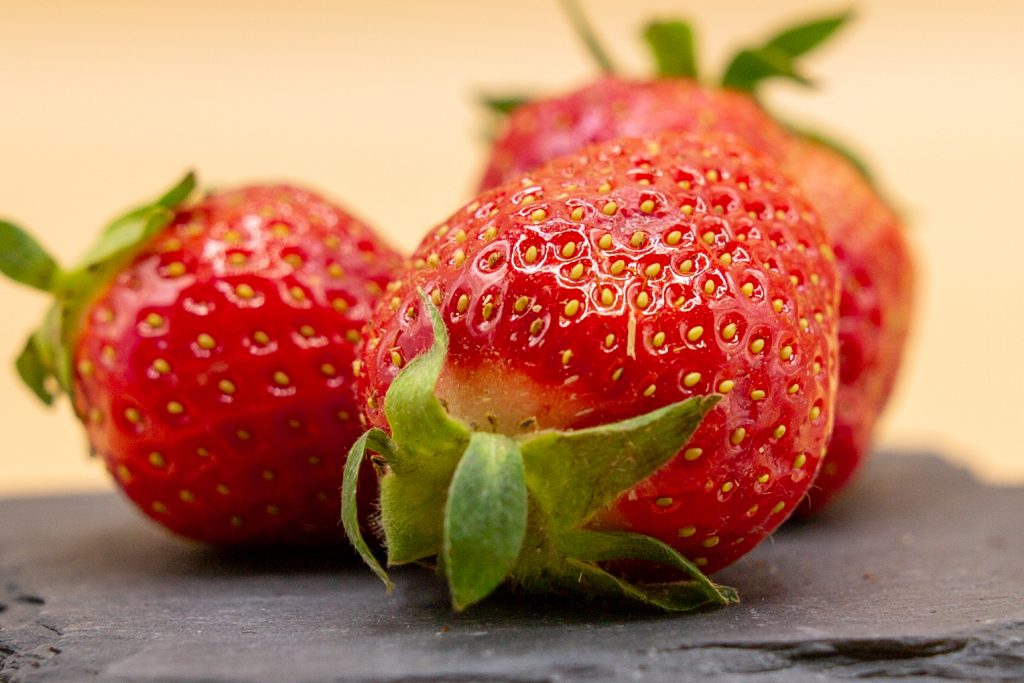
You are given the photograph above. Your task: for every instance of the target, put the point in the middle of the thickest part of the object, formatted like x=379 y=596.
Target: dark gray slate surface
x=919 y=571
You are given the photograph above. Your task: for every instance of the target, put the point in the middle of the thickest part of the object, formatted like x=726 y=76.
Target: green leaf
x=572 y=474
x=586 y=33
x=23 y=259
x=777 y=57
x=376 y=440
x=591 y=580
x=502 y=105
x=673 y=46
x=600 y=546
x=802 y=38
x=35 y=369
x=485 y=519
x=170 y=199
x=430 y=443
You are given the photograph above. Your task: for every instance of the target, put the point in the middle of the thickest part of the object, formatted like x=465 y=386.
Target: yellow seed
x=226 y=386
x=458 y=257
x=186 y=496
x=435 y=296
x=298 y=293
x=236 y=520
x=708 y=237
x=649 y=391
x=568 y=250
x=566 y=356
x=293 y=260
x=617 y=267
x=531 y=254
x=752 y=510
x=261 y=338
x=462 y=305
x=712 y=175
x=687 y=531
x=747 y=288
x=687 y=209
x=763 y=479
x=793 y=388
x=663 y=502
x=605 y=242
x=691 y=379
x=609 y=209
x=729 y=331
x=793 y=279
x=686 y=266
x=460 y=236
x=175 y=269
x=159 y=507
x=672 y=239
x=695 y=333
x=175 y=408
x=609 y=340
x=786 y=352
x=617 y=374
x=643 y=300
x=815 y=412
x=577 y=213
x=658 y=339
x=237 y=258
x=339 y=305
x=521 y=304
x=692 y=454
x=725 y=386
x=653 y=270
x=779 y=507
x=244 y=291
x=607 y=297
x=780 y=431
x=491 y=232
x=572 y=307
x=395 y=303
x=85 y=367
x=307 y=331
x=605 y=188
x=335 y=271
x=132 y=415
x=487 y=310
x=528 y=199
x=727 y=486
x=777 y=305
x=725 y=259
x=538 y=215
x=710 y=542
x=804 y=324
x=709 y=287
x=157 y=460
x=536 y=326
x=757 y=345
x=814 y=278
x=647 y=206
x=352 y=336
x=328 y=370
x=636 y=240
x=154 y=320
x=757 y=395
x=243 y=435
x=800 y=461
x=123 y=473
x=738 y=435
x=281 y=379
x=161 y=366
x=817 y=368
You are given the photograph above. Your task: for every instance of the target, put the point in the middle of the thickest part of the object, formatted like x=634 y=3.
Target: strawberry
x=207 y=348
x=874 y=262
x=606 y=295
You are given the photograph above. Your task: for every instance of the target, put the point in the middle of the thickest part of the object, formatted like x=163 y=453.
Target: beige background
x=104 y=102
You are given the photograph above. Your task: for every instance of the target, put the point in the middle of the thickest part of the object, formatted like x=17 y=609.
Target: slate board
x=919 y=571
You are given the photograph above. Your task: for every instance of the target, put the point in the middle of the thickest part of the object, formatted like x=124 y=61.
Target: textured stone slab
x=919 y=571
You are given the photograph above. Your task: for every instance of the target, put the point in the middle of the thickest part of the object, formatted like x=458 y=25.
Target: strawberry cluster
x=665 y=324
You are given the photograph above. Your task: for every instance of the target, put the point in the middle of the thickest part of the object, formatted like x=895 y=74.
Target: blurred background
x=375 y=103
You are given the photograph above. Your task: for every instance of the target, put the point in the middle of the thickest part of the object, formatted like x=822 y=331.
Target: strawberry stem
x=495 y=509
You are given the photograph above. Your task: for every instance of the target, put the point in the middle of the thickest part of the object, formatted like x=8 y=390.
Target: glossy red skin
x=498 y=371
x=874 y=261
x=232 y=468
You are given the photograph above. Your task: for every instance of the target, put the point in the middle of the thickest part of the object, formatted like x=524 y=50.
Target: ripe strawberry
x=875 y=267
x=602 y=287
x=207 y=349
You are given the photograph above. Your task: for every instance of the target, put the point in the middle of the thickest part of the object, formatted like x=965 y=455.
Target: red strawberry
x=875 y=267
x=207 y=350
x=602 y=287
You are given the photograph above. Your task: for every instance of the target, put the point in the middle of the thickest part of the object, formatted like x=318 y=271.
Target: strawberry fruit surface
x=674 y=283
x=207 y=348
x=874 y=260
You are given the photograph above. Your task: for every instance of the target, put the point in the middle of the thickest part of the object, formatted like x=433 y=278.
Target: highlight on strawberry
x=206 y=347
x=873 y=257
x=608 y=376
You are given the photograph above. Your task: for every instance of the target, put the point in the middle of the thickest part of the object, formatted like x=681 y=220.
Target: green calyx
x=45 y=363
x=491 y=509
